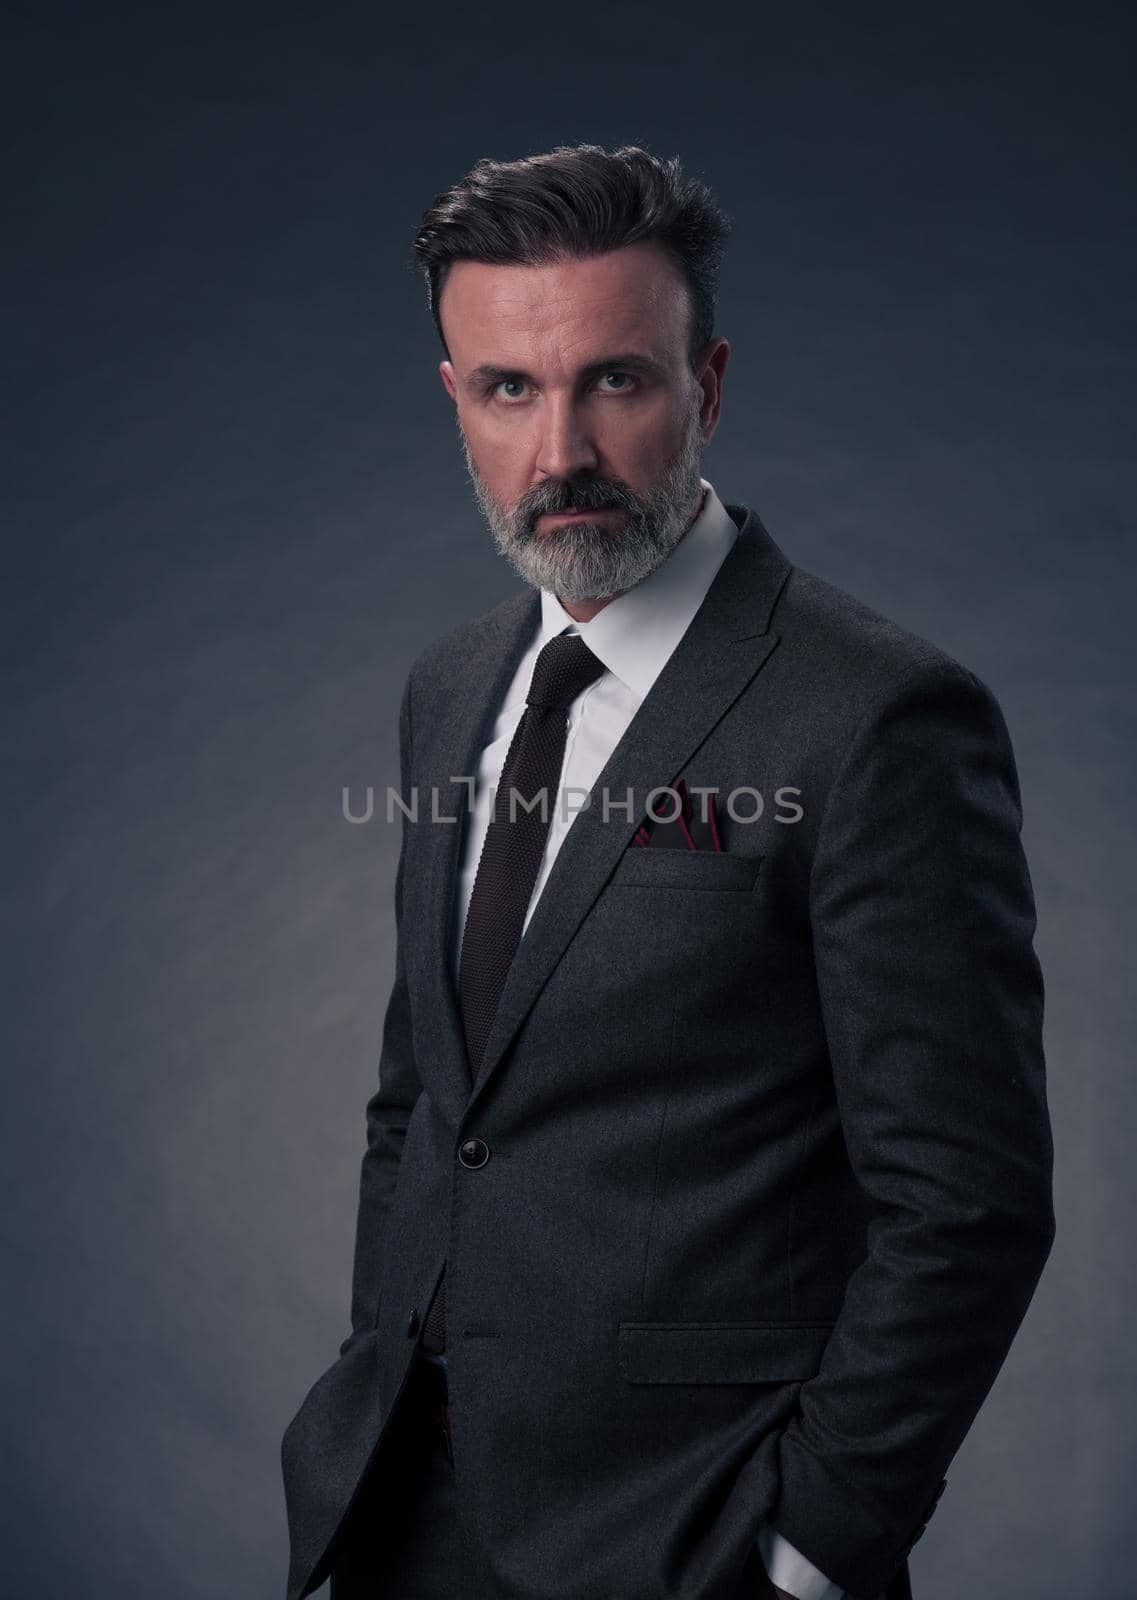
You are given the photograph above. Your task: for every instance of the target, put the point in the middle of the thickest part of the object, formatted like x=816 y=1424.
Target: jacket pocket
x=721 y=1352
x=666 y=867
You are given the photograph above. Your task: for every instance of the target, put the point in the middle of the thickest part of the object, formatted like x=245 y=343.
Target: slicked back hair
x=576 y=201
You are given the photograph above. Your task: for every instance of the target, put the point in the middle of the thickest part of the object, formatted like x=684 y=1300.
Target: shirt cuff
x=788 y=1569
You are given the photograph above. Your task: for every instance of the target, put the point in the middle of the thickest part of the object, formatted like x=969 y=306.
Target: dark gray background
x=237 y=509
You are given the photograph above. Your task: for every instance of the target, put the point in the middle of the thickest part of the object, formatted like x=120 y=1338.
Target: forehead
x=632 y=298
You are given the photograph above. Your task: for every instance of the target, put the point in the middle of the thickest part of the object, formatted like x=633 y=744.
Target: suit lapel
x=462 y=727
x=726 y=644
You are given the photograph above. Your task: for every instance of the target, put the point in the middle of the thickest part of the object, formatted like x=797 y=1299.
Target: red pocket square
x=687 y=829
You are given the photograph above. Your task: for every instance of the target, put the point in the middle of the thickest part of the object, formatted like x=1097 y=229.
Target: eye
x=517 y=383
x=627 y=381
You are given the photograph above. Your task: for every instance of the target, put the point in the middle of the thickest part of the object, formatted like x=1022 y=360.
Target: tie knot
x=564 y=667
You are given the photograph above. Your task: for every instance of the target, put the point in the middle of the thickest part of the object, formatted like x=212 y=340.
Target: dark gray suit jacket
x=769 y=1183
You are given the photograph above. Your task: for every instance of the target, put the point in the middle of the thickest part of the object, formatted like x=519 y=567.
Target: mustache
x=591 y=495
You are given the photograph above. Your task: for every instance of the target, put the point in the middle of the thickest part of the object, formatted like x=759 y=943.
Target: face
x=582 y=422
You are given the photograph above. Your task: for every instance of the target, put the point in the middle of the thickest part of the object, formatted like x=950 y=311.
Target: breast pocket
x=661 y=867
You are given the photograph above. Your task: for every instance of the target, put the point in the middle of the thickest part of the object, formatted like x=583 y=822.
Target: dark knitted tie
x=511 y=858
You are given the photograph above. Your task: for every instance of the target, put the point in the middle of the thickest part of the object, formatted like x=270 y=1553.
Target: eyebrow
x=631 y=361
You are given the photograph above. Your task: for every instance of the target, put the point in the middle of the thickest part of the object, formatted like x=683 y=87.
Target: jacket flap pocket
x=721 y=1352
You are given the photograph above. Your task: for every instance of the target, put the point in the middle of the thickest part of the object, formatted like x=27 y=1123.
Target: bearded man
x=708 y=1175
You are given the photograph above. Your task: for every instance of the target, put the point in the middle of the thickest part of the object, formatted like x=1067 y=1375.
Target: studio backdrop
x=236 y=509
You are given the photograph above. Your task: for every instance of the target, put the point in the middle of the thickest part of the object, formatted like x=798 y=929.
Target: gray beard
x=591 y=560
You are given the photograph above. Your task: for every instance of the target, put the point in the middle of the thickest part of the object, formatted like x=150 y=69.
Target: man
x=709 y=1173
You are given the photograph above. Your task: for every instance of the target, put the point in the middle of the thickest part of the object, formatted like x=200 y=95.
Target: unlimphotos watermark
x=743 y=803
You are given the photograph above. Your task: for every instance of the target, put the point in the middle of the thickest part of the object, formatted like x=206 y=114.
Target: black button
x=473 y=1152
x=412 y=1323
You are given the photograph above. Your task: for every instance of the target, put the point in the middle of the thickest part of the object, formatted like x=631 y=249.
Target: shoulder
x=849 y=689
x=838 y=649
x=873 y=703
x=835 y=654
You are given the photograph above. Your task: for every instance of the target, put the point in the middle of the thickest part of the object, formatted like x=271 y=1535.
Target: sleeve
x=923 y=918
x=389 y=1109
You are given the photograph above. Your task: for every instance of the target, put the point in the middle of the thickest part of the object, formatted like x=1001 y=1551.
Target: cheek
x=501 y=455
x=644 y=437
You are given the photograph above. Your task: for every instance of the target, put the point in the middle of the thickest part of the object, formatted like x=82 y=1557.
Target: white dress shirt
x=633 y=635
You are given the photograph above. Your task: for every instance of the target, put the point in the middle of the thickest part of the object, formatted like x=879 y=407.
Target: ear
x=714 y=362
x=448 y=378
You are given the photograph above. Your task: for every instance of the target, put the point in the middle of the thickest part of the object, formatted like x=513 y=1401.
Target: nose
x=565 y=447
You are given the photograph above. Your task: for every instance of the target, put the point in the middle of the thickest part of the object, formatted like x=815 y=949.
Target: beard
x=592 y=560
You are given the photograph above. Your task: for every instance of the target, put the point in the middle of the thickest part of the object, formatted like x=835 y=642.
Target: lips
x=589 y=511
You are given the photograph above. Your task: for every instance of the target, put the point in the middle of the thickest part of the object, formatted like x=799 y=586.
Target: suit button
x=473 y=1152
x=412 y=1323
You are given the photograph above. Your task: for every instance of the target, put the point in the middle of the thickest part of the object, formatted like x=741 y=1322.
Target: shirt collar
x=636 y=632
